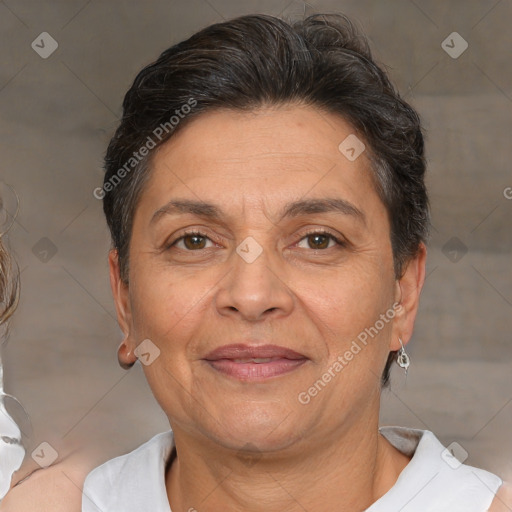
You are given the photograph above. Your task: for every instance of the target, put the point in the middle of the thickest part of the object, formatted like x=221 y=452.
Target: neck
x=346 y=472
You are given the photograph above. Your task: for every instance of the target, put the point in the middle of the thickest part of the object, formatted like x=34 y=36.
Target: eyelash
x=339 y=243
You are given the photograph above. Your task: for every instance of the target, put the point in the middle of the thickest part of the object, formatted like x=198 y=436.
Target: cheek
x=348 y=301
x=167 y=311
x=166 y=307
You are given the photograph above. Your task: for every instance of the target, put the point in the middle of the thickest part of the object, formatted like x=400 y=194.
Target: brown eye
x=319 y=240
x=191 y=241
x=194 y=241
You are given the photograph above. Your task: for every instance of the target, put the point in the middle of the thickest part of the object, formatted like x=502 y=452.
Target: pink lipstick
x=253 y=363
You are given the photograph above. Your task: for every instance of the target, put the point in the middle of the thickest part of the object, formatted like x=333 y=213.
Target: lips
x=240 y=351
x=246 y=362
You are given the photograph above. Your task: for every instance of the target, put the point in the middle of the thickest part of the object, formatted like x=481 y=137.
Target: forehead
x=299 y=135
x=267 y=156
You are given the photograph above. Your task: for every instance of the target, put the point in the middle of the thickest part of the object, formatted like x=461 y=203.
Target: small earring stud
x=122 y=364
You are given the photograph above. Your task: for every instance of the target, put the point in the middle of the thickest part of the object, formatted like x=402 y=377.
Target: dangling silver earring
x=402 y=358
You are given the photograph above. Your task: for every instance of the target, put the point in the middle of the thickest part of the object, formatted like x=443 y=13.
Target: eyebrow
x=291 y=210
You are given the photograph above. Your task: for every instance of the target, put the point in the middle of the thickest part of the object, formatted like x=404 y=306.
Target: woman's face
x=266 y=269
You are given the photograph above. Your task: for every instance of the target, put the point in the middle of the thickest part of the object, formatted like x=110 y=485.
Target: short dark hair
x=259 y=60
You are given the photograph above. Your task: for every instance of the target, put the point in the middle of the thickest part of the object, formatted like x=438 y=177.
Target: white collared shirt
x=433 y=481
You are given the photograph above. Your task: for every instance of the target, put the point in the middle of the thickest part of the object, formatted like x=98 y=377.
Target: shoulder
x=57 y=488
x=134 y=463
x=138 y=479
x=452 y=485
x=503 y=500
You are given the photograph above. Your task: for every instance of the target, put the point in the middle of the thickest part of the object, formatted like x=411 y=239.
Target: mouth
x=254 y=363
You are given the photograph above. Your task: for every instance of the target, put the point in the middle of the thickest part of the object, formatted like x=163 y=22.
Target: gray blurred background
x=58 y=113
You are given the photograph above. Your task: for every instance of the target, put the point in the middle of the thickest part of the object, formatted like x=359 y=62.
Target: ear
x=120 y=292
x=407 y=294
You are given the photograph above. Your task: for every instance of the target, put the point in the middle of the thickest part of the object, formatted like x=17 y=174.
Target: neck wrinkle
x=370 y=468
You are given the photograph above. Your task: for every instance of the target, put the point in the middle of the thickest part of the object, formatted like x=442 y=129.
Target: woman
x=266 y=201
x=265 y=195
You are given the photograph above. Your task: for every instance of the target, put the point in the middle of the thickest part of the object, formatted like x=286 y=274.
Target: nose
x=255 y=288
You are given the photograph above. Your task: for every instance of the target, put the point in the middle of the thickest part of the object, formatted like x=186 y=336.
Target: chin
x=265 y=427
